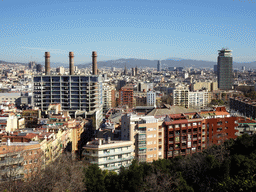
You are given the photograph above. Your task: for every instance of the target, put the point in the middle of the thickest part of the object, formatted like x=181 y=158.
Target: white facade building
x=183 y=97
x=151 y=98
x=109 y=155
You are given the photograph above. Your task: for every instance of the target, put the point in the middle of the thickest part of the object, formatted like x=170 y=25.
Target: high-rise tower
x=125 y=70
x=159 y=66
x=224 y=69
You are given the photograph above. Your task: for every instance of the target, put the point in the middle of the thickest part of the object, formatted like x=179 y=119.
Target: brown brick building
x=126 y=96
x=188 y=133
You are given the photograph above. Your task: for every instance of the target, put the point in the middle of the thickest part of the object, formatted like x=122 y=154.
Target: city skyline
x=126 y=29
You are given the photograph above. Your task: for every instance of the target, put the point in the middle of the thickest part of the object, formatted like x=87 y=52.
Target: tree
x=94 y=179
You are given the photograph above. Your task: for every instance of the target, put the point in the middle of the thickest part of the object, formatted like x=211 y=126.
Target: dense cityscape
x=112 y=117
x=127 y=96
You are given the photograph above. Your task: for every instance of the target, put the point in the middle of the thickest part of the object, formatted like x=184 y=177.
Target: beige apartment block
x=146 y=134
x=109 y=155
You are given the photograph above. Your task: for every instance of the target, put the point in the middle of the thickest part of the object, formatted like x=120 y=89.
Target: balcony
x=108 y=153
x=112 y=160
x=142 y=152
x=171 y=135
x=195 y=138
x=171 y=142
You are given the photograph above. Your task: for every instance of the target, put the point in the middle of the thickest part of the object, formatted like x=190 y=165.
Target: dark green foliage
x=94 y=179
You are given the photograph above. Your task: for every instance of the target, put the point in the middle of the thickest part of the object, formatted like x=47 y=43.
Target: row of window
x=151 y=136
x=150 y=156
x=151 y=129
x=30 y=161
x=152 y=149
x=184 y=125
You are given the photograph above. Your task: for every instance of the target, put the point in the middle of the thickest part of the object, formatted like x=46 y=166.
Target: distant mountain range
x=120 y=63
x=140 y=63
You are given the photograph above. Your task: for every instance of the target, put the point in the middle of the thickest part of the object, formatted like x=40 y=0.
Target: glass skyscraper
x=225 y=69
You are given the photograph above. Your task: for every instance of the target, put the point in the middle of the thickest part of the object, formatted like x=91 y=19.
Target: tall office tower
x=136 y=71
x=31 y=64
x=39 y=68
x=73 y=92
x=224 y=69
x=159 y=66
x=133 y=72
x=215 y=69
x=125 y=70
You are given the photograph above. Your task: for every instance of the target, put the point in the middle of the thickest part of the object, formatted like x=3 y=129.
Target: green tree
x=94 y=179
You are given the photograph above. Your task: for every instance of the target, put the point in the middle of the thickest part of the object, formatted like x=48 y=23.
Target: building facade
x=184 y=135
x=151 y=98
x=147 y=135
x=126 y=96
x=73 y=92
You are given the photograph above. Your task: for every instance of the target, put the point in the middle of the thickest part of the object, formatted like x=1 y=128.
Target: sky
x=142 y=29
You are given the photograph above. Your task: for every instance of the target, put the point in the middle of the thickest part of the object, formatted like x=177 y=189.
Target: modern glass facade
x=225 y=69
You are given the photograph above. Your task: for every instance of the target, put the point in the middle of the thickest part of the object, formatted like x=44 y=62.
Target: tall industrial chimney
x=94 y=63
x=71 y=63
x=47 y=63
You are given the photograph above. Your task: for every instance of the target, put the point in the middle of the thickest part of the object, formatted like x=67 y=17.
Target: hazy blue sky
x=144 y=29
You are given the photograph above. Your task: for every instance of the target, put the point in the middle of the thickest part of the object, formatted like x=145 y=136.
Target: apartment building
x=109 y=155
x=8 y=122
x=9 y=97
x=198 y=99
x=243 y=105
x=246 y=125
x=126 y=96
x=151 y=98
x=19 y=160
x=208 y=85
x=184 y=135
x=108 y=96
x=146 y=134
x=185 y=98
x=219 y=125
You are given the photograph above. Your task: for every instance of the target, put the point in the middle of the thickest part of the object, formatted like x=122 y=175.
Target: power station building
x=75 y=93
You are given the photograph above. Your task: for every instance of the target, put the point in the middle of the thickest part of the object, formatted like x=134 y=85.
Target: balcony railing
x=108 y=153
x=112 y=160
